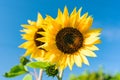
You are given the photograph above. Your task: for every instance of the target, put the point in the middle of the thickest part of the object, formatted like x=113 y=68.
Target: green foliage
x=24 y=60
x=99 y=75
x=22 y=66
x=27 y=77
x=38 y=64
x=51 y=70
x=16 y=71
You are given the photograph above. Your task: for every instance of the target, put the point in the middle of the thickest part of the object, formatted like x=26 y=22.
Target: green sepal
x=38 y=64
x=27 y=77
x=16 y=71
x=51 y=70
x=24 y=60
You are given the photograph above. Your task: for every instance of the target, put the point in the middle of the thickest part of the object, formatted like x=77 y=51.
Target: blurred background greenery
x=98 y=75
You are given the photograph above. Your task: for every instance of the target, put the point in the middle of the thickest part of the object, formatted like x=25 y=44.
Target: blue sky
x=106 y=14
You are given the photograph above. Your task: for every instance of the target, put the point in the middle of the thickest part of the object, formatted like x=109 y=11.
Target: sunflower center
x=38 y=43
x=69 y=40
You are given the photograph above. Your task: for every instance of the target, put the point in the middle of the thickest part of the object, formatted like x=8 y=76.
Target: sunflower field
x=98 y=75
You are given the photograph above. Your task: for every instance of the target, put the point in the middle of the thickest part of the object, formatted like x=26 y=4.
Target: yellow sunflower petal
x=26 y=26
x=24 y=30
x=78 y=60
x=59 y=17
x=51 y=57
x=78 y=17
x=49 y=18
x=91 y=47
x=42 y=33
x=73 y=12
x=31 y=22
x=41 y=39
x=84 y=17
x=65 y=17
x=72 y=21
x=93 y=32
x=29 y=51
x=84 y=59
x=97 y=42
x=87 y=24
x=87 y=52
x=38 y=54
x=39 y=20
x=26 y=45
x=90 y=40
x=82 y=22
x=59 y=14
x=65 y=13
x=63 y=62
x=27 y=37
x=70 y=61
x=55 y=24
x=28 y=31
x=79 y=13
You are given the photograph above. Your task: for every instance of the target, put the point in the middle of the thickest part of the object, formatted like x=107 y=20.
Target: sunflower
x=69 y=39
x=31 y=34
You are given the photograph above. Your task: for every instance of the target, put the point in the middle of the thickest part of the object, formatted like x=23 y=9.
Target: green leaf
x=38 y=64
x=16 y=71
x=24 y=60
x=27 y=77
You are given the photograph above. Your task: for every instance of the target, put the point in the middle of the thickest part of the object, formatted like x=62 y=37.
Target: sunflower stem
x=35 y=73
x=59 y=77
x=40 y=74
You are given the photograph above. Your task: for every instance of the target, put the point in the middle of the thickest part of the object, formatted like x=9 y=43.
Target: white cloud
x=110 y=32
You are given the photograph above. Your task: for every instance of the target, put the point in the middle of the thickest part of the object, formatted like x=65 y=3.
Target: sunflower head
x=31 y=33
x=68 y=38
